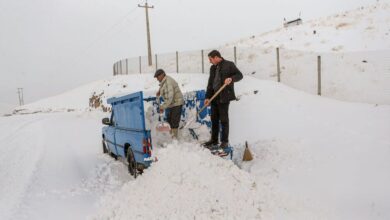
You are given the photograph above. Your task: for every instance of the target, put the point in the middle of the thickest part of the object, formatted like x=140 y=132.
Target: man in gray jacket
x=173 y=99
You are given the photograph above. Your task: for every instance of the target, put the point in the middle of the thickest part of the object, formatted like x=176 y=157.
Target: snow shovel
x=162 y=126
x=193 y=118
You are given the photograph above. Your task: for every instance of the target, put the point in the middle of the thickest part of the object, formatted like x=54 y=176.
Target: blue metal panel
x=200 y=97
x=134 y=138
x=129 y=112
x=192 y=100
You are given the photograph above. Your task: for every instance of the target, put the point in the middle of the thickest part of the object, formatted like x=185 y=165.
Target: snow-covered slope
x=354 y=47
x=80 y=98
x=362 y=29
x=314 y=158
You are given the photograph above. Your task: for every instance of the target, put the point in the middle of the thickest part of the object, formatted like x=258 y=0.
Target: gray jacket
x=170 y=91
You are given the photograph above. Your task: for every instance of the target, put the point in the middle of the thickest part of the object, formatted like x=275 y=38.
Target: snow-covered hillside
x=85 y=97
x=362 y=29
x=355 y=55
x=354 y=47
x=314 y=158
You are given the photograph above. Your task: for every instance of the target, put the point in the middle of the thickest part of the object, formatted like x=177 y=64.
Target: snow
x=6 y=108
x=191 y=184
x=314 y=157
x=52 y=166
x=77 y=99
x=354 y=49
x=361 y=29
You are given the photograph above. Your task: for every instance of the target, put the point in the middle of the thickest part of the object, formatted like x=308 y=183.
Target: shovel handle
x=212 y=98
x=160 y=114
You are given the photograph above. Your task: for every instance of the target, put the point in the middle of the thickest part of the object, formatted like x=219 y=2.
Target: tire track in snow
x=64 y=185
x=19 y=153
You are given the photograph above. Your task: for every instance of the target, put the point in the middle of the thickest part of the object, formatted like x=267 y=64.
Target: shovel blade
x=163 y=127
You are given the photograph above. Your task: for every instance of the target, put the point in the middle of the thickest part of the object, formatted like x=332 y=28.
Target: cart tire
x=132 y=163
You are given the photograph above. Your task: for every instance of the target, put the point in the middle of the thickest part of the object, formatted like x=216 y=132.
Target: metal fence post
x=177 y=62
x=202 y=62
x=156 y=61
x=140 y=64
x=235 y=55
x=278 y=63
x=120 y=65
x=319 y=74
x=127 y=66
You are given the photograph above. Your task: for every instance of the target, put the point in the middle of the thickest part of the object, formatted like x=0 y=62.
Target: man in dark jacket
x=221 y=72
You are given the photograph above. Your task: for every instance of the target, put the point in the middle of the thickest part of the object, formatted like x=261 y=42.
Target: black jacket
x=227 y=70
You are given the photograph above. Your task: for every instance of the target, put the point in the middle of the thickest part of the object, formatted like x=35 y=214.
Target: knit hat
x=159 y=72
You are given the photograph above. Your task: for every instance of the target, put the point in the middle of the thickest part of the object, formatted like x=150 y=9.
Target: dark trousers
x=220 y=114
x=174 y=115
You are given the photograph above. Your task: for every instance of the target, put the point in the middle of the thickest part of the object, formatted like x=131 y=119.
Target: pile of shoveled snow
x=187 y=183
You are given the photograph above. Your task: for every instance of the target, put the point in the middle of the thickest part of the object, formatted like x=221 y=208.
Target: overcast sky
x=50 y=46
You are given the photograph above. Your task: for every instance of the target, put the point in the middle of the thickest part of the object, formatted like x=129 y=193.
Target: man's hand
x=228 y=81
x=158 y=93
x=207 y=102
x=161 y=110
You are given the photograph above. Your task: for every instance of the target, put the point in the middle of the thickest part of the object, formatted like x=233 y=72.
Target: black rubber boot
x=224 y=144
x=210 y=144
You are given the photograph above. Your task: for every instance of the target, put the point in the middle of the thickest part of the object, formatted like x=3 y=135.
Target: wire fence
x=362 y=76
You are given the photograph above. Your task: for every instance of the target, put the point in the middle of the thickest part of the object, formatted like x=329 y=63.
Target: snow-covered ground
x=314 y=158
x=51 y=166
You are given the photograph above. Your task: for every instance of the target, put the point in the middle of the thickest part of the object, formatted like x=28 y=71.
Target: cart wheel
x=132 y=163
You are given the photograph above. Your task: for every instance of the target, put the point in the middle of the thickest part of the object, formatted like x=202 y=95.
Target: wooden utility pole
x=146 y=6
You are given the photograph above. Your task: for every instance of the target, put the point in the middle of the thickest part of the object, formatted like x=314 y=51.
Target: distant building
x=292 y=23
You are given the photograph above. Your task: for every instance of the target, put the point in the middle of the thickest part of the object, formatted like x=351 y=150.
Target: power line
x=121 y=20
x=101 y=36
